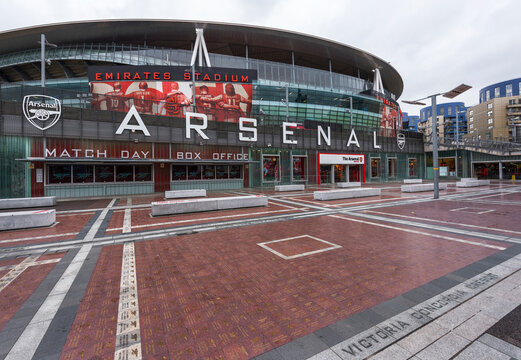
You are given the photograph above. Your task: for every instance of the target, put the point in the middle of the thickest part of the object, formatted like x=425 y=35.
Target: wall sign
x=41 y=111
x=336 y=159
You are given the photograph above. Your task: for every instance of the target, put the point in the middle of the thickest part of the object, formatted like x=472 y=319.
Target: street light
x=43 y=42
x=435 y=164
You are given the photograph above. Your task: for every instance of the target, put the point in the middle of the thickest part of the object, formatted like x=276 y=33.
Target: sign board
x=39 y=175
x=335 y=159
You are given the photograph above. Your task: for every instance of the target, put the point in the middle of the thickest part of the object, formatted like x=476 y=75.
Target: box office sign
x=208 y=153
x=55 y=148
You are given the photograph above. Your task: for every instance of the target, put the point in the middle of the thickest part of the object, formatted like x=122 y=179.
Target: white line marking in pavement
x=128 y=338
x=28 y=342
x=16 y=271
x=440 y=221
x=127 y=220
x=201 y=219
x=421 y=233
x=285 y=257
x=276 y=203
x=35 y=263
x=469 y=210
x=37 y=237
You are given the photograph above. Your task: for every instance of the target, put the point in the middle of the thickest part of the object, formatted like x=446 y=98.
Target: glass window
x=194 y=172
x=143 y=172
x=221 y=172
x=487 y=95
x=509 y=90
x=82 y=173
x=59 y=174
x=208 y=172
x=299 y=168
x=375 y=167
x=270 y=166
x=496 y=92
x=442 y=111
x=124 y=173
x=490 y=106
x=104 y=173
x=178 y=172
x=449 y=110
x=471 y=112
x=490 y=121
x=235 y=171
x=391 y=167
x=412 y=167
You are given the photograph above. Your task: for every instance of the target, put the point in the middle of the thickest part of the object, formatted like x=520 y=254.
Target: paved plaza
x=395 y=276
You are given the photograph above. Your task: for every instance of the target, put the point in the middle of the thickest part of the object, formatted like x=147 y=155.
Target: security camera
x=48 y=62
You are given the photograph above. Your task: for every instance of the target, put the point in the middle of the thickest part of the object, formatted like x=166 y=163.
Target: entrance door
x=354 y=173
x=325 y=174
x=340 y=173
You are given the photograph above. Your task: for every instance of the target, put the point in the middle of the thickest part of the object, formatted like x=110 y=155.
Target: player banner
x=220 y=101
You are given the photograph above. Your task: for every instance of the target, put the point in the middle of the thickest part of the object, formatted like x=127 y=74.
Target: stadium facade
x=143 y=106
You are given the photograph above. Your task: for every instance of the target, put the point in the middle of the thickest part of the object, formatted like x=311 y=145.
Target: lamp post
x=435 y=163
x=43 y=42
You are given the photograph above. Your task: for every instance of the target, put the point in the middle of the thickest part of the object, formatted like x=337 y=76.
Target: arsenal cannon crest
x=41 y=111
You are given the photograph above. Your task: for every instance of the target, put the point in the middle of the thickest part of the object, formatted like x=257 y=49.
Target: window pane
x=221 y=171
x=179 y=172
x=124 y=173
x=235 y=171
x=143 y=172
x=194 y=172
x=270 y=168
x=104 y=173
x=412 y=167
x=208 y=172
x=375 y=168
x=299 y=168
x=83 y=173
x=59 y=174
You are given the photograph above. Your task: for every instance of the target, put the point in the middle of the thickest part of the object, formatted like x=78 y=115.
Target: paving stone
x=394 y=352
x=501 y=345
x=475 y=326
x=422 y=338
x=446 y=347
x=481 y=351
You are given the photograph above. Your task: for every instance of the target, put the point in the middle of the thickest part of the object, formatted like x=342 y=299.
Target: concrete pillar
x=500 y=170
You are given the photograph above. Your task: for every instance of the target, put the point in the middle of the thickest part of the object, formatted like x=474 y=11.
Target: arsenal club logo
x=400 y=140
x=41 y=111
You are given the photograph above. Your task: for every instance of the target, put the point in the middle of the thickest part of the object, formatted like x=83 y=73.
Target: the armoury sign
x=41 y=111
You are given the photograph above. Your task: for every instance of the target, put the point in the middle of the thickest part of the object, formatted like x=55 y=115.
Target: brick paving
x=219 y=295
x=65 y=225
x=19 y=290
x=93 y=332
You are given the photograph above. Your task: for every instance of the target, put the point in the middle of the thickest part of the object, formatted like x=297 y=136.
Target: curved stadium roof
x=221 y=38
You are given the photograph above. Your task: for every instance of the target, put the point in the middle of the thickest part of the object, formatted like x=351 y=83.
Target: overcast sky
x=434 y=45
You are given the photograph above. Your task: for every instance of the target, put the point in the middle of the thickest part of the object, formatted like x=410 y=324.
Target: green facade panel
x=14 y=175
